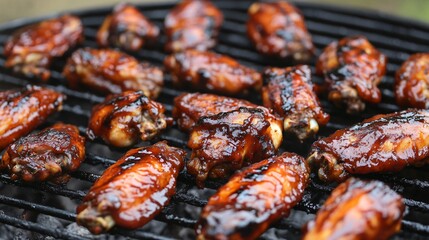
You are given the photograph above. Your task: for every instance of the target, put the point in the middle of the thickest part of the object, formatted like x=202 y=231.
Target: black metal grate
x=397 y=38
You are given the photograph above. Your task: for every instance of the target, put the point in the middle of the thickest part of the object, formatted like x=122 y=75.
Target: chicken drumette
x=352 y=68
x=22 y=110
x=254 y=198
x=124 y=118
x=358 y=210
x=208 y=71
x=126 y=28
x=383 y=143
x=289 y=92
x=278 y=29
x=226 y=142
x=110 y=71
x=192 y=24
x=134 y=190
x=30 y=50
x=189 y=107
x=47 y=155
x=412 y=82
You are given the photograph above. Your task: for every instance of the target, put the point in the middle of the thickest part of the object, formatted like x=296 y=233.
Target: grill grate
x=397 y=38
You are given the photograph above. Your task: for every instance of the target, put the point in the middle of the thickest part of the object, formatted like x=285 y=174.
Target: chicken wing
x=30 y=50
x=22 y=110
x=134 y=190
x=189 y=107
x=208 y=71
x=126 y=28
x=47 y=155
x=289 y=92
x=124 y=118
x=226 y=142
x=383 y=143
x=254 y=198
x=352 y=68
x=192 y=24
x=358 y=210
x=110 y=71
x=412 y=82
x=278 y=29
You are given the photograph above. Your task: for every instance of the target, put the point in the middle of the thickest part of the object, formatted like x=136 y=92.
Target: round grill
x=396 y=38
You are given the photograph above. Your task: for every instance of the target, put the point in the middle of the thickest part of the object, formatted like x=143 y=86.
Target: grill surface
x=397 y=38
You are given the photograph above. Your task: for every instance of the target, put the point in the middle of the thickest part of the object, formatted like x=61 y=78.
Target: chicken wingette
x=134 y=190
x=254 y=198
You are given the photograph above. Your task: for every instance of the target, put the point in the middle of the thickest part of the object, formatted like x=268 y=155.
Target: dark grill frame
x=395 y=37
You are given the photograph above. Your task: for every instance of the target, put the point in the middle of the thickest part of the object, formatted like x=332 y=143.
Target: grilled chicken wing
x=289 y=92
x=278 y=29
x=225 y=142
x=192 y=24
x=412 y=82
x=352 y=68
x=189 y=107
x=126 y=28
x=357 y=210
x=47 y=155
x=124 y=118
x=110 y=71
x=134 y=190
x=30 y=50
x=212 y=72
x=254 y=198
x=383 y=143
x=22 y=110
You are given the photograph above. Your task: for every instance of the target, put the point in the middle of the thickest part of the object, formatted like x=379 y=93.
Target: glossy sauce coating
x=254 y=198
x=278 y=29
x=211 y=72
x=228 y=141
x=412 y=82
x=134 y=190
x=126 y=28
x=31 y=49
x=358 y=210
x=124 y=118
x=289 y=92
x=189 y=107
x=192 y=24
x=110 y=71
x=352 y=68
x=383 y=143
x=22 y=110
x=46 y=155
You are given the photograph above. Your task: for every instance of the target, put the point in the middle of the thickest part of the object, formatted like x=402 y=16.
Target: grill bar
x=396 y=38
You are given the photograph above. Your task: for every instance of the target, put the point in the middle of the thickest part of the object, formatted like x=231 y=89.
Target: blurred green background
x=13 y=9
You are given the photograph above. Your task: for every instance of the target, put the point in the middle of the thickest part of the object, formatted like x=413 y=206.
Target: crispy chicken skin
x=211 y=72
x=228 y=141
x=383 y=143
x=353 y=68
x=111 y=71
x=124 y=118
x=134 y=190
x=126 y=28
x=358 y=210
x=31 y=49
x=254 y=198
x=192 y=24
x=412 y=82
x=46 y=155
x=289 y=91
x=278 y=29
x=189 y=107
x=22 y=110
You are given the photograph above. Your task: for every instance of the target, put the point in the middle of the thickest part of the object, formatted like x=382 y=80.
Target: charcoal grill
x=395 y=37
